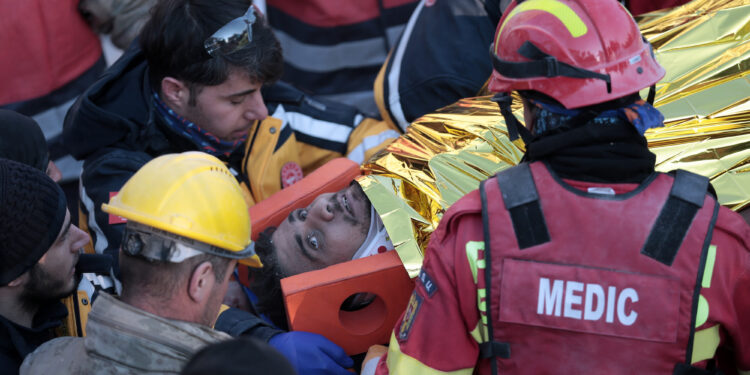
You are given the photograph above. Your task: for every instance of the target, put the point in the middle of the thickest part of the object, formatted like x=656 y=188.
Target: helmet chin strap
x=515 y=128
x=651 y=94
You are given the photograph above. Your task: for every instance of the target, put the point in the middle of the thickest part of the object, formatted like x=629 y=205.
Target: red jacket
x=442 y=328
x=45 y=44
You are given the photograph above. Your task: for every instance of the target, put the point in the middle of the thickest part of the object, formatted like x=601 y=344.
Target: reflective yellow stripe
x=705 y=343
x=472 y=254
x=400 y=363
x=482 y=294
x=476 y=264
x=708 y=271
x=701 y=316
x=479 y=333
x=575 y=25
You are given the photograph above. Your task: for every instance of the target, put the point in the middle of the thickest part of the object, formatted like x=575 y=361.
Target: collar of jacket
x=25 y=339
x=131 y=336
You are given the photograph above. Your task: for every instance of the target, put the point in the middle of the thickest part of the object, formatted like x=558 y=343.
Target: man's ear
x=20 y=280
x=175 y=93
x=201 y=283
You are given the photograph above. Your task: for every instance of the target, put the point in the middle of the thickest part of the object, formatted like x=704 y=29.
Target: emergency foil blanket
x=705 y=98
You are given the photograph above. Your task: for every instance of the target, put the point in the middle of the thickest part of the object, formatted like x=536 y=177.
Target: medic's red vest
x=589 y=283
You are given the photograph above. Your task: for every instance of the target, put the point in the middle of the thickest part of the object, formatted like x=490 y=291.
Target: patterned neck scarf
x=640 y=114
x=206 y=141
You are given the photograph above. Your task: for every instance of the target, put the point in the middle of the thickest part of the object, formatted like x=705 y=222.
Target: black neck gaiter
x=614 y=152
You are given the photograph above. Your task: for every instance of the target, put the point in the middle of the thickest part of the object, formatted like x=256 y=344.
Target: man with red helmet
x=581 y=259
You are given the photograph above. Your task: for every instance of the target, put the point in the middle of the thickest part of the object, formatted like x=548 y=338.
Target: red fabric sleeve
x=438 y=333
x=728 y=294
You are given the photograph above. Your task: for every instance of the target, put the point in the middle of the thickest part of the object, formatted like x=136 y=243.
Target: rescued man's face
x=327 y=232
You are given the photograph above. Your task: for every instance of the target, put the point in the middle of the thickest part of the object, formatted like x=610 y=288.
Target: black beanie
x=32 y=212
x=22 y=140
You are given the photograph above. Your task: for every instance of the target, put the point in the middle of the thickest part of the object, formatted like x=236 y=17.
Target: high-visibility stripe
x=312 y=127
x=479 y=333
x=400 y=363
x=472 y=255
x=358 y=154
x=476 y=264
x=701 y=316
x=100 y=240
x=381 y=93
x=575 y=25
x=318 y=58
x=705 y=343
x=708 y=271
x=394 y=98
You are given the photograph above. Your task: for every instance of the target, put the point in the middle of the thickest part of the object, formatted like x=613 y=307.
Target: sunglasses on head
x=233 y=36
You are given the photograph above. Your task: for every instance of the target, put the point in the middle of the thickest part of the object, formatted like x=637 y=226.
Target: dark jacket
x=16 y=341
x=441 y=57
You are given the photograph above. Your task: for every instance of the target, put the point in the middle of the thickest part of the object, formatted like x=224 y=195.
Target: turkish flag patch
x=291 y=172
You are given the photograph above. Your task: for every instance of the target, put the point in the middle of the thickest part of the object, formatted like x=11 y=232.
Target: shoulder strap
x=522 y=201
x=491 y=348
x=685 y=199
x=686 y=368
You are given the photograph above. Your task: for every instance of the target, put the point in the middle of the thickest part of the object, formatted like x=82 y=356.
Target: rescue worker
x=39 y=249
x=581 y=259
x=190 y=88
x=187 y=224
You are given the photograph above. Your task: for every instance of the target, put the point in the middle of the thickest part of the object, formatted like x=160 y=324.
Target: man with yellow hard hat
x=187 y=227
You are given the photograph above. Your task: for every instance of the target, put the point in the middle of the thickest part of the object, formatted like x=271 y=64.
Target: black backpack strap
x=490 y=349
x=685 y=199
x=522 y=201
x=685 y=369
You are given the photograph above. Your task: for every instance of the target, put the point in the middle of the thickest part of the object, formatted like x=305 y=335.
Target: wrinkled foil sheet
x=705 y=98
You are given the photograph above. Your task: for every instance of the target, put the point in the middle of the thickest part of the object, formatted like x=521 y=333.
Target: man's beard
x=267 y=281
x=44 y=288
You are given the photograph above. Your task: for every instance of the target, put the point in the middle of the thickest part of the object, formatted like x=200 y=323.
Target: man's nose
x=80 y=238
x=256 y=109
x=323 y=210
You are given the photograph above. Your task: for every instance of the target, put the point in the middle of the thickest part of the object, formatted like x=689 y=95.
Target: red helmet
x=579 y=52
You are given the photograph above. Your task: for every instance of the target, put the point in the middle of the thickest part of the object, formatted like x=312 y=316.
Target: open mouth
x=347 y=204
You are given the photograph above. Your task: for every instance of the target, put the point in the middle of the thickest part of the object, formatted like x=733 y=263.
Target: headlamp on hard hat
x=158 y=245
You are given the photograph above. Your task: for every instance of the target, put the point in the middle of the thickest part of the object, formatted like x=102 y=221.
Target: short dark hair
x=246 y=356
x=267 y=280
x=160 y=279
x=172 y=41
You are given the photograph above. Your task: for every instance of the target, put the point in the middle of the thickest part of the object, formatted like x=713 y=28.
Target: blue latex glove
x=311 y=353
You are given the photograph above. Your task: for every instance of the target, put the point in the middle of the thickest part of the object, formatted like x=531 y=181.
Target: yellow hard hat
x=192 y=195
